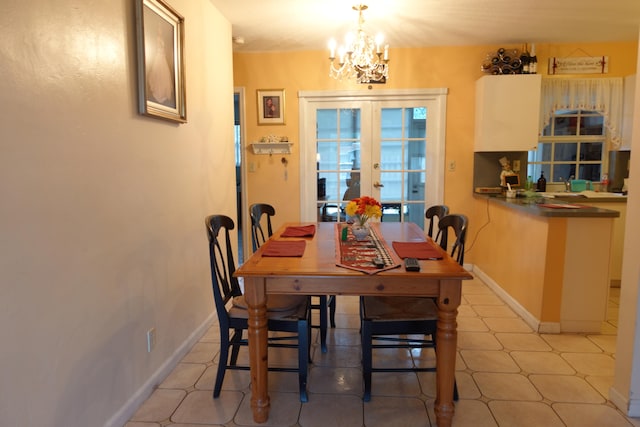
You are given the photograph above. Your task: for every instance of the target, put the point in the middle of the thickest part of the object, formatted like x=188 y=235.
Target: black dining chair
x=436 y=211
x=405 y=322
x=258 y=237
x=288 y=315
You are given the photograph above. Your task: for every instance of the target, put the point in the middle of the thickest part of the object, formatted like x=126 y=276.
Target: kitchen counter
x=551 y=265
x=555 y=207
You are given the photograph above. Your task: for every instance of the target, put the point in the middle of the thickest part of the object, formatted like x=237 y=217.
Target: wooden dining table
x=316 y=273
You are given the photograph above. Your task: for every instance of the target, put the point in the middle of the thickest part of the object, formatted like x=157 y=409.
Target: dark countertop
x=532 y=206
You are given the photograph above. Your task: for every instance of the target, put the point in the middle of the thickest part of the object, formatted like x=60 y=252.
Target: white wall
x=626 y=386
x=102 y=210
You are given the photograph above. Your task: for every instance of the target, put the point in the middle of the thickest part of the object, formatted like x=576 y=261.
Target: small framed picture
x=160 y=45
x=271 y=106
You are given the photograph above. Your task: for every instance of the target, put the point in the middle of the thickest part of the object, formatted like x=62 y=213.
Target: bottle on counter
x=542 y=183
x=525 y=59
x=533 y=60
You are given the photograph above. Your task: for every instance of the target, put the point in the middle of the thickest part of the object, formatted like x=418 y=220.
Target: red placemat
x=359 y=254
x=299 y=231
x=419 y=250
x=284 y=248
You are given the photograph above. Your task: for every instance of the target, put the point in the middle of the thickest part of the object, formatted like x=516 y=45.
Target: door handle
x=378 y=185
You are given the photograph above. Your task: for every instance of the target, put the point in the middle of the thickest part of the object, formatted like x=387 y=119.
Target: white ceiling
x=285 y=25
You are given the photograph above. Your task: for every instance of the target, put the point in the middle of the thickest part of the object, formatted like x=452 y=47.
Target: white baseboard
x=530 y=319
x=125 y=413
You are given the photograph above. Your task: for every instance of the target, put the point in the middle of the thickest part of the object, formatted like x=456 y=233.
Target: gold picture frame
x=160 y=46
x=271 y=106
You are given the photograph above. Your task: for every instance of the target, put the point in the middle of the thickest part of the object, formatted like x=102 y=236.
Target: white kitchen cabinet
x=507 y=112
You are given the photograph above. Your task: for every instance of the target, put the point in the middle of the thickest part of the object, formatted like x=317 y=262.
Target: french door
x=385 y=144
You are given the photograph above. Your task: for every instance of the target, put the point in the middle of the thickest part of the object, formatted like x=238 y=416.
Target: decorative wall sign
x=579 y=65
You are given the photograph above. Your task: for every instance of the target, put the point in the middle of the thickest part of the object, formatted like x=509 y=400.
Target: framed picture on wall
x=271 y=106
x=160 y=45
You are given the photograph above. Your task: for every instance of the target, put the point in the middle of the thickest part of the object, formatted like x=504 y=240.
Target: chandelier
x=361 y=58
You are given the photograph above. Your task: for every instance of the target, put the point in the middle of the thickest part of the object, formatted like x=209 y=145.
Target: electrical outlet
x=151 y=339
x=452 y=165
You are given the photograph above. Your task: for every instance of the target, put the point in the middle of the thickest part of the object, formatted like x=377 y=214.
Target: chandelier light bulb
x=362 y=58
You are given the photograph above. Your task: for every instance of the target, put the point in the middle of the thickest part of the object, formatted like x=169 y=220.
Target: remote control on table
x=379 y=263
x=411 y=264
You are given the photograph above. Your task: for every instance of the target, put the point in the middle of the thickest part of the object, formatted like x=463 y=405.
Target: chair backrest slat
x=258 y=236
x=436 y=211
x=225 y=285
x=458 y=223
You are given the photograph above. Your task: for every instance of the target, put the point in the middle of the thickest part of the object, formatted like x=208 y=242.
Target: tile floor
x=507 y=375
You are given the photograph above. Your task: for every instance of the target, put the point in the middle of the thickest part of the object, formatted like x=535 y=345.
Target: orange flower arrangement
x=363 y=208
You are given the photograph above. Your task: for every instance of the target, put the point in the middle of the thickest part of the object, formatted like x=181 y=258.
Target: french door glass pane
x=337 y=160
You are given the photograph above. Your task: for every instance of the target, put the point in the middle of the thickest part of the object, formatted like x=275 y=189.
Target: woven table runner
x=358 y=255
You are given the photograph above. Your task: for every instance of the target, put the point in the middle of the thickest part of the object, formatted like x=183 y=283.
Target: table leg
x=446 y=338
x=256 y=299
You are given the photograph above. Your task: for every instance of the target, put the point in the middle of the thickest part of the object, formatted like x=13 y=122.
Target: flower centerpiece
x=362 y=209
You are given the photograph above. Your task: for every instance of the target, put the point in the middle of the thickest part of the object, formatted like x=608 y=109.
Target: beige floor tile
x=489 y=361
x=494 y=311
x=566 y=388
x=199 y=407
x=347 y=321
x=335 y=380
x=467 y=388
x=338 y=356
x=343 y=337
x=160 y=405
x=524 y=414
x=507 y=376
x=500 y=324
x=600 y=383
x=570 y=342
x=540 y=362
x=202 y=352
x=478 y=341
x=476 y=287
x=483 y=299
x=233 y=379
x=383 y=412
x=404 y=384
x=590 y=363
x=473 y=324
x=522 y=341
x=324 y=410
x=284 y=410
x=580 y=415
x=212 y=334
x=506 y=386
x=466 y=311
x=606 y=342
x=184 y=375
x=473 y=413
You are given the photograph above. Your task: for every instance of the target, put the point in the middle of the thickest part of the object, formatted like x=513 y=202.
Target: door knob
x=378 y=185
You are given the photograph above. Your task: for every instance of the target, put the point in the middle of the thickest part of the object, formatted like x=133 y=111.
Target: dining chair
x=409 y=323
x=456 y=223
x=436 y=211
x=258 y=237
x=288 y=315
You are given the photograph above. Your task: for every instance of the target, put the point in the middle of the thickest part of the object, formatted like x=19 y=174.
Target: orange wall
x=456 y=68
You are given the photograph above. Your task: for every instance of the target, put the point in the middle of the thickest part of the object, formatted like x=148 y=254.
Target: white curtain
x=602 y=95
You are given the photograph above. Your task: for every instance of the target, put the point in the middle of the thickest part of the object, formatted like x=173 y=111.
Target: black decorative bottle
x=542 y=183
